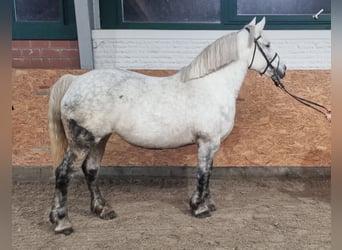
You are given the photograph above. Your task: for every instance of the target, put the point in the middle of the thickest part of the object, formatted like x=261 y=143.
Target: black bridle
x=269 y=62
x=276 y=79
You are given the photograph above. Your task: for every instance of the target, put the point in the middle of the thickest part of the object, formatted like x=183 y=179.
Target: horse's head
x=262 y=58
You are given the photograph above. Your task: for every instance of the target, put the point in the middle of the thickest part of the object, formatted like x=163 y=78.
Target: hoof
x=63 y=227
x=107 y=213
x=66 y=231
x=211 y=205
x=202 y=211
x=103 y=211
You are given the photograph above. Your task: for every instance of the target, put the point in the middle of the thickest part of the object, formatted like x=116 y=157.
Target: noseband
x=276 y=79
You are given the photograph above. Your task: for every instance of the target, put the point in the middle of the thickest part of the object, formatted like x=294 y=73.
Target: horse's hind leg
x=80 y=142
x=59 y=211
x=90 y=167
x=201 y=203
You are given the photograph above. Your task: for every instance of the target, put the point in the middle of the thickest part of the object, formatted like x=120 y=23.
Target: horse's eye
x=268 y=45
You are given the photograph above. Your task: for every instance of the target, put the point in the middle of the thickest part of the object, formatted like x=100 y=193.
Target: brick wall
x=167 y=49
x=45 y=54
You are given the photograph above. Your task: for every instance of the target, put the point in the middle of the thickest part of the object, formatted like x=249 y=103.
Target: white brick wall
x=169 y=49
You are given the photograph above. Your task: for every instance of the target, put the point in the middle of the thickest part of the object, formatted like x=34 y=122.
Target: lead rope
x=316 y=106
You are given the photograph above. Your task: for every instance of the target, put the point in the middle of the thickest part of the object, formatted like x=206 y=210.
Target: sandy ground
x=263 y=213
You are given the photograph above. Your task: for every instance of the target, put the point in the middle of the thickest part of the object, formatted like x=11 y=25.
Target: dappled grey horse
x=195 y=105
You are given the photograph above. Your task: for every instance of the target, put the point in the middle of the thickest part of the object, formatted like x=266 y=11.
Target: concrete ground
x=252 y=213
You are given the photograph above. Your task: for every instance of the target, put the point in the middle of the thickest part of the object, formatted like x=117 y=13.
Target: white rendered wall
x=173 y=49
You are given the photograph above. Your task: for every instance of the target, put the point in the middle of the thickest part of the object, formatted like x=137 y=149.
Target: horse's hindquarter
x=146 y=111
x=93 y=99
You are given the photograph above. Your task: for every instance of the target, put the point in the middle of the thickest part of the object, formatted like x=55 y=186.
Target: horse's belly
x=157 y=137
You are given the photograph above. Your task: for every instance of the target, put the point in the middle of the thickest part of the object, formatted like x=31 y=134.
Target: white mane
x=215 y=56
x=220 y=53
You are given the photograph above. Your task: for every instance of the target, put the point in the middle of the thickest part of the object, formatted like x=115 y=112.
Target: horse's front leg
x=90 y=167
x=201 y=203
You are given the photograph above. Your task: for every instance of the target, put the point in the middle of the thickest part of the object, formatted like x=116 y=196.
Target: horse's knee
x=90 y=170
x=88 y=166
x=93 y=171
x=92 y=163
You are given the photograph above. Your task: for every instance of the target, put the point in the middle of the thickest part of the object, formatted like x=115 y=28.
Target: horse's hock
x=271 y=129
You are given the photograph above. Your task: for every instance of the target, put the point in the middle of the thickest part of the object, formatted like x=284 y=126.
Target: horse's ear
x=252 y=23
x=260 y=25
x=251 y=30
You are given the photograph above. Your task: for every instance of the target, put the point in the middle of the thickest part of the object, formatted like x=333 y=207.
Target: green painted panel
x=111 y=18
x=64 y=28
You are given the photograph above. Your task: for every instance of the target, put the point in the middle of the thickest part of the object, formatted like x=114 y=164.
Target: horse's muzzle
x=281 y=71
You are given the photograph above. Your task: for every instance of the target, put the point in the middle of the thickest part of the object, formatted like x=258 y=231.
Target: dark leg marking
x=201 y=203
x=59 y=212
x=90 y=167
x=81 y=138
x=80 y=142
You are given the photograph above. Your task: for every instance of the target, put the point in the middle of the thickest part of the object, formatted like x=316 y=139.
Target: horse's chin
x=280 y=73
x=277 y=76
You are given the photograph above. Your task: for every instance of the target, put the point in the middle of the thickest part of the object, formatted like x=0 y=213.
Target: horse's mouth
x=280 y=73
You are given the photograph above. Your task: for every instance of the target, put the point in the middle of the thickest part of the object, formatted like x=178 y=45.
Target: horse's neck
x=231 y=77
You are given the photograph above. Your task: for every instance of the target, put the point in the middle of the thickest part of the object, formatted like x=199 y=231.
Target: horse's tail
x=58 y=139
